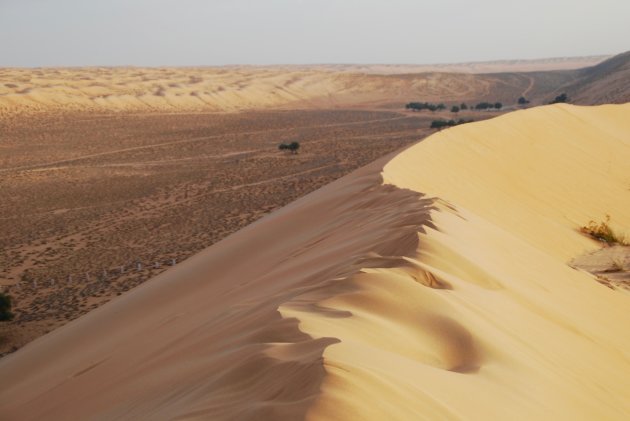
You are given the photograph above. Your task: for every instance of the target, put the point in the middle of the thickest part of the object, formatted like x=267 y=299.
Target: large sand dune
x=429 y=285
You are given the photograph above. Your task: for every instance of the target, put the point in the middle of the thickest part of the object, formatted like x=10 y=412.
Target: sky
x=37 y=33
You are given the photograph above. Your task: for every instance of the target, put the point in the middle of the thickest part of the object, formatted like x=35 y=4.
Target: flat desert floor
x=95 y=204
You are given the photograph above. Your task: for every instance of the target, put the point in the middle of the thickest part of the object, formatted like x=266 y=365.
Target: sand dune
x=429 y=285
x=245 y=88
x=236 y=88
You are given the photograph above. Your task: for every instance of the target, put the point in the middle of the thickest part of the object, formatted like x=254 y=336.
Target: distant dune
x=215 y=89
x=250 y=87
x=496 y=66
x=433 y=284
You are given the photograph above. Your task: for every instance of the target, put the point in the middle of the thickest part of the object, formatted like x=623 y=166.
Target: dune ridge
x=433 y=284
x=505 y=328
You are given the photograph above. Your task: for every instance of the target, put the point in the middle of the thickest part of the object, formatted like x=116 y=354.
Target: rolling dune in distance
x=130 y=89
x=216 y=89
x=431 y=284
x=239 y=88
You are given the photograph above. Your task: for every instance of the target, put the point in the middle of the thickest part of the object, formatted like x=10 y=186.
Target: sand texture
x=433 y=284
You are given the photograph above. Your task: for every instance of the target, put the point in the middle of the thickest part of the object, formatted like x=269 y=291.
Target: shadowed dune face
x=433 y=285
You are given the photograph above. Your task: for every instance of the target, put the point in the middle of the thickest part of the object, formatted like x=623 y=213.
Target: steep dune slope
x=433 y=285
x=506 y=328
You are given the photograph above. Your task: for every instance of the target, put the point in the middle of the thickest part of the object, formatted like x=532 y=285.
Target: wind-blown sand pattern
x=429 y=285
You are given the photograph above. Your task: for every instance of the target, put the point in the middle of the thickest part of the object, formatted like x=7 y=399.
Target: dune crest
x=512 y=331
x=430 y=285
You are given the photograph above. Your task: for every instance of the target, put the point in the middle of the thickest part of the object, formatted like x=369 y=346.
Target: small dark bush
x=440 y=124
x=5 y=308
x=560 y=99
x=292 y=147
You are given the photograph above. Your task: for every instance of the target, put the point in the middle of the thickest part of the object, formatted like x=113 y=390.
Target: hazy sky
x=217 y=32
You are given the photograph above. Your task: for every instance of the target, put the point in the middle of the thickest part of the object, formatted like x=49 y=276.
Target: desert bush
x=523 y=101
x=488 y=105
x=455 y=109
x=419 y=106
x=602 y=232
x=440 y=124
x=5 y=307
x=560 y=99
x=292 y=147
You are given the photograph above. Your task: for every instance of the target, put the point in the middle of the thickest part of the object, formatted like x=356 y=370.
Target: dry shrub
x=602 y=232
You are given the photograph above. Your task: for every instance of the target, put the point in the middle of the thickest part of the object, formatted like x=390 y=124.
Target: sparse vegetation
x=5 y=307
x=111 y=217
x=603 y=232
x=488 y=105
x=419 y=106
x=523 y=101
x=440 y=124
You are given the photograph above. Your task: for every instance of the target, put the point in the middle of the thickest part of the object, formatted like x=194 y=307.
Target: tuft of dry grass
x=603 y=232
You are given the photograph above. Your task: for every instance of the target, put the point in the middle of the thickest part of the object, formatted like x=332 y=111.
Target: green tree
x=483 y=106
x=463 y=106
x=438 y=124
x=5 y=308
x=560 y=98
x=498 y=105
x=522 y=101
x=454 y=109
